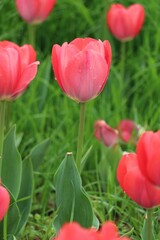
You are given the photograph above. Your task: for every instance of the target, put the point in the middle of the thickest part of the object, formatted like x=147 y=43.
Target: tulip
x=134 y=183
x=105 y=134
x=4 y=202
x=128 y=130
x=36 y=11
x=81 y=67
x=17 y=69
x=74 y=231
x=148 y=154
x=125 y=23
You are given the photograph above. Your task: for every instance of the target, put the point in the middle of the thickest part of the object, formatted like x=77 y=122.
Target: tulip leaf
x=38 y=153
x=71 y=199
x=26 y=190
x=12 y=164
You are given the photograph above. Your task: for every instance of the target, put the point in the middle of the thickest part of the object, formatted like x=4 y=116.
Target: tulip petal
x=28 y=9
x=85 y=76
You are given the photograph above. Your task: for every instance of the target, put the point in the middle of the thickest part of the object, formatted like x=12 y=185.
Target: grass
x=44 y=111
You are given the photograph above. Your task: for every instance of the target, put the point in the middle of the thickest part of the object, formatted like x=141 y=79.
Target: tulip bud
x=125 y=23
x=81 y=67
x=36 y=11
x=18 y=67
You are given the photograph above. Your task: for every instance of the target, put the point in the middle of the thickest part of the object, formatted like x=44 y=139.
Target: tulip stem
x=122 y=63
x=5 y=227
x=149 y=234
x=80 y=136
x=31 y=33
x=2 y=123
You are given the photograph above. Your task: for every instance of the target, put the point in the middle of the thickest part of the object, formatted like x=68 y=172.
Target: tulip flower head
x=34 y=11
x=18 y=67
x=134 y=183
x=128 y=131
x=81 y=67
x=4 y=202
x=125 y=23
x=148 y=154
x=105 y=134
x=73 y=231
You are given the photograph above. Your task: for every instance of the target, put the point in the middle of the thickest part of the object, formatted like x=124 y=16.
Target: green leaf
x=25 y=196
x=72 y=201
x=12 y=164
x=147 y=231
x=38 y=153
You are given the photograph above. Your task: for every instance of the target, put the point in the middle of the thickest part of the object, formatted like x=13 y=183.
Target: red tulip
x=4 y=202
x=105 y=134
x=73 y=231
x=135 y=185
x=128 y=130
x=148 y=154
x=125 y=23
x=81 y=67
x=34 y=11
x=17 y=69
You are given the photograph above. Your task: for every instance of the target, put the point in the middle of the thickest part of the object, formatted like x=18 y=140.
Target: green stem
x=31 y=33
x=5 y=227
x=149 y=235
x=80 y=135
x=122 y=61
x=2 y=124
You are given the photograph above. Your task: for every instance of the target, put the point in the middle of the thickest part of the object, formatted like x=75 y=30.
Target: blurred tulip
x=17 y=69
x=128 y=131
x=125 y=23
x=135 y=185
x=4 y=202
x=81 y=67
x=34 y=11
x=109 y=232
x=74 y=231
x=105 y=134
x=148 y=154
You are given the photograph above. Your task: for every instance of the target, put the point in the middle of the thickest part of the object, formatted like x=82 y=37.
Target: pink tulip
x=34 y=11
x=125 y=23
x=148 y=154
x=4 y=202
x=134 y=183
x=128 y=130
x=17 y=69
x=81 y=67
x=105 y=134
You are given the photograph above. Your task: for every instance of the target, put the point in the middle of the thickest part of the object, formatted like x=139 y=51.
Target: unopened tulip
x=34 y=11
x=128 y=130
x=125 y=23
x=148 y=154
x=81 y=67
x=134 y=183
x=18 y=67
x=105 y=134
x=4 y=202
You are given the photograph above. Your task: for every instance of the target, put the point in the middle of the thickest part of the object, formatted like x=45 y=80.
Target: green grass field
x=132 y=92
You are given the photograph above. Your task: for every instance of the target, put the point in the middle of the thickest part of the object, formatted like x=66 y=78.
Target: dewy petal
x=28 y=75
x=85 y=76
